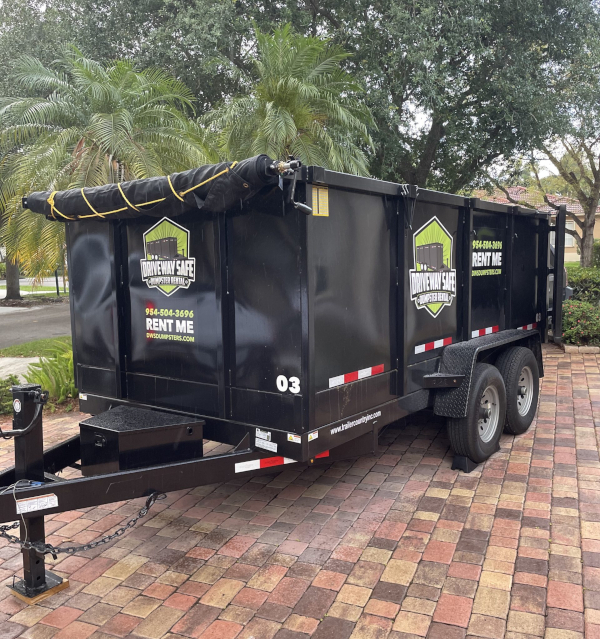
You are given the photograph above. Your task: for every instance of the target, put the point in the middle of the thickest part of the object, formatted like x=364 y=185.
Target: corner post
x=559 y=269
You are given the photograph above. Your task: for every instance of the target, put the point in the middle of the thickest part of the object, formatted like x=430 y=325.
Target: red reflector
x=375 y=370
x=271 y=461
x=447 y=341
x=429 y=346
x=325 y=454
x=350 y=377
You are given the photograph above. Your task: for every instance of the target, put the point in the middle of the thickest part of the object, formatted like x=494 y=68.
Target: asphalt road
x=19 y=325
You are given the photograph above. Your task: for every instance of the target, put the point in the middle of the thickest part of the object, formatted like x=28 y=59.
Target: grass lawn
x=571 y=265
x=34 y=289
x=33 y=349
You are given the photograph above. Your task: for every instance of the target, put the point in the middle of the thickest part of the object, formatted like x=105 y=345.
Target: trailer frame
x=441 y=383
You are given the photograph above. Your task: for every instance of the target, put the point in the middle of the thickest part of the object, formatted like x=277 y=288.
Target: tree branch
x=326 y=14
x=434 y=135
x=591 y=159
x=577 y=158
x=566 y=176
x=510 y=198
x=575 y=235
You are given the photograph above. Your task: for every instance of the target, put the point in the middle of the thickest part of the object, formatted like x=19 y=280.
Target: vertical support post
x=559 y=269
x=542 y=270
x=508 y=267
x=36 y=584
x=467 y=279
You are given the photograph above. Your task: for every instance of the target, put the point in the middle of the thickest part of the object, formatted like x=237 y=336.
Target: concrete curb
x=569 y=348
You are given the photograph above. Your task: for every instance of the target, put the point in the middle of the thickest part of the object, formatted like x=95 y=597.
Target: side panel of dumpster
x=353 y=299
x=433 y=277
x=490 y=273
x=265 y=248
x=174 y=331
x=93 y=306
x=526 y=301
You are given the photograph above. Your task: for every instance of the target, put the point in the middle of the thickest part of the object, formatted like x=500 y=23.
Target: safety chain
x=48 y=549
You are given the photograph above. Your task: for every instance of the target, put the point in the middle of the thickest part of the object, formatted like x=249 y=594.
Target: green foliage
x=581 y=323
x=55 y=373
x=452 y=85
x=2 y=270
x=301 y=103
x=36 y=348
x=596 y=254
x=586 y=284
x=6 y=395
x=88 y=124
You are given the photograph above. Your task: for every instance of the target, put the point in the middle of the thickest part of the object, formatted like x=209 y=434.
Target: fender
x=460 y=359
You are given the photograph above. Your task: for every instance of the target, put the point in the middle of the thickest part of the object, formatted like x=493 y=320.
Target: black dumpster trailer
x=291 y=312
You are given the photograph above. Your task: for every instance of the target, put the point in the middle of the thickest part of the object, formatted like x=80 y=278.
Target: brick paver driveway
x=389 y=546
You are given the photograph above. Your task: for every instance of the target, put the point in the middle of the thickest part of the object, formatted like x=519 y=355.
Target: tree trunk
x=13 y=289
x=587 y=239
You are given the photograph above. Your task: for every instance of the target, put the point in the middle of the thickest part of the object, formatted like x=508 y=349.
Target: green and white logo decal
x=432 y=280
x=167 y=265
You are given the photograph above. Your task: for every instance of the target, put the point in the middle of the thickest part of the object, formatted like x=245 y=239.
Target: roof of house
x=533 y=198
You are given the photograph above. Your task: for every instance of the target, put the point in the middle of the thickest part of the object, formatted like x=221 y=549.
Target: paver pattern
x=388 y=546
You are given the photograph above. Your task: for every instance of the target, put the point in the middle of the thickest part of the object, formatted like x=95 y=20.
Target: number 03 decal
x=292 y=384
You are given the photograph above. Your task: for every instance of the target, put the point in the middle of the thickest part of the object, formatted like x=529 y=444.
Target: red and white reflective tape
x=422 y=348
x=267 y=462
x=527 y=327
x=485 y=331
x=321 y=455
x=356 y=375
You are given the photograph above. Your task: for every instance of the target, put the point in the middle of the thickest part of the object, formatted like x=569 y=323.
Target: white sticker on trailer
x=294 y=438
x=263 y=434
x=32 y=504
x=262 y=443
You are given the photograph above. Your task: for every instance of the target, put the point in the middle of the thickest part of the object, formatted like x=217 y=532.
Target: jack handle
x=40 y=398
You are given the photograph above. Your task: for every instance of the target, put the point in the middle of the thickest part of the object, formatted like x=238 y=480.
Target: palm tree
x=301 y=103
x=92 y=124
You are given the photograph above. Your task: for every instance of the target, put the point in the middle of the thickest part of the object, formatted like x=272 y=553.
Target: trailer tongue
x=290 y=312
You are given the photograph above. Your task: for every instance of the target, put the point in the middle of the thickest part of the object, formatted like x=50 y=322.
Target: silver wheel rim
x=489 y=412
x=525 y=390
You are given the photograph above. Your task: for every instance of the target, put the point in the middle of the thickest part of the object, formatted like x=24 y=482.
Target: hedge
x=581 y=323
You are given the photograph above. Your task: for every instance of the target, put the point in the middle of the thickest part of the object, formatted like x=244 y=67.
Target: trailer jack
x=37 y=583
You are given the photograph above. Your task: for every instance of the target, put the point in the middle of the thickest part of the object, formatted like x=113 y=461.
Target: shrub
x=55 y=374
x=596 y=254
x=586 y=284
x=2 y=271
x=5 y=394
x=581 y=323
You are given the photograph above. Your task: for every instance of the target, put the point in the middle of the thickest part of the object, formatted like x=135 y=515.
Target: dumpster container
x=289 y=311
x=306 y=308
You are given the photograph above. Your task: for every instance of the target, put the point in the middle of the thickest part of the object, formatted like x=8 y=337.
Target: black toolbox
x=126 y=438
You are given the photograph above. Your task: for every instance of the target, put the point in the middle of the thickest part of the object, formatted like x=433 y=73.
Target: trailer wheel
x=521 y=376
x=476 y=436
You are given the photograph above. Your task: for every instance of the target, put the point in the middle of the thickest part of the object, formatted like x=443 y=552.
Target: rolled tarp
x=212 y=188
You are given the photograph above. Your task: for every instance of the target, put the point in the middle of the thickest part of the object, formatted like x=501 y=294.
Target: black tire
x=511 y=365
x=465 y=434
